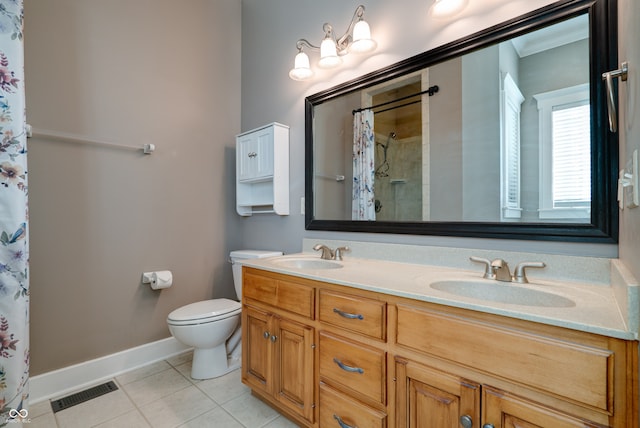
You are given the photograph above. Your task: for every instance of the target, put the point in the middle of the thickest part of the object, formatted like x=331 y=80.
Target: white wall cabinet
x=262 y=170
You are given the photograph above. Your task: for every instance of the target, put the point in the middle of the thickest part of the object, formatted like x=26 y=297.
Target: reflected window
x=565 y=157
x=511 y=101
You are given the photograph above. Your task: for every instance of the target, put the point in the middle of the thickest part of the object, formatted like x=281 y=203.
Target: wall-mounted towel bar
x=608 y=77
x=147 y=149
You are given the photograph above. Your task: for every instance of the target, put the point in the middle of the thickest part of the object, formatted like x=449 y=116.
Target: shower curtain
x=363 y=204
x=14 y=249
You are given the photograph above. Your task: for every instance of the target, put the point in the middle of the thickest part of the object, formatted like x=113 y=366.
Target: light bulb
x=301 y=69
x=329 y=54
x=362 y=41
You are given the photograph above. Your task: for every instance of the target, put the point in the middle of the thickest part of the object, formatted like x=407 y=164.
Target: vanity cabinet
x=386 y=361
x=529 y=375
x=262 y=170
x=278 y=348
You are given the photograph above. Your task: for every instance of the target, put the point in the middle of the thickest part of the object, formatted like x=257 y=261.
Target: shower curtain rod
x=431 y=91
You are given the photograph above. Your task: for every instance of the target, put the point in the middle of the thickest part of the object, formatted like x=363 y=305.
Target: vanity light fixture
x=356 y=39
x=447 y=8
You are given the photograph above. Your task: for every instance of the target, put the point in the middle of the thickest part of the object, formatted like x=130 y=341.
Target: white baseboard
x=58 y=383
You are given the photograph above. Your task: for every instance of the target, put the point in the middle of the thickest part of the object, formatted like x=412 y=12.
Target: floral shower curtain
x=363 y=204
x=14 y=249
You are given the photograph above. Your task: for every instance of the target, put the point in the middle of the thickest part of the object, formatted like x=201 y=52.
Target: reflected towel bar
x=608 y=77
x=331 y=177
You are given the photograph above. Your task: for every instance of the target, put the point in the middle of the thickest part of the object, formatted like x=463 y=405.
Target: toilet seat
x=204 y=312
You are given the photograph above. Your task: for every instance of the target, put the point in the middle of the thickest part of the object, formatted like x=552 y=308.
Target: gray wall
x=131 y=72
x=270 y=31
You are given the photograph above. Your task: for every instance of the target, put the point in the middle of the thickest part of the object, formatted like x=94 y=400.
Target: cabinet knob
x=341 y=422
x=274 y=338
x=266 y=334
x=466 y=421
x=488 y=426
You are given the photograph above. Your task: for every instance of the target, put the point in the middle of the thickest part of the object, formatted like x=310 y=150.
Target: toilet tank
x=238 y=256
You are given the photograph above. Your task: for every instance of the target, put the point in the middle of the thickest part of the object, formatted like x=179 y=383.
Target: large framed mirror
x=502 y=134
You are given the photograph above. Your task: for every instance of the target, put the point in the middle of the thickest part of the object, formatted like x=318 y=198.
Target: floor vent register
x=82 y=396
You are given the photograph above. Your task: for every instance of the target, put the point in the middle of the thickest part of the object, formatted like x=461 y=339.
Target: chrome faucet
x=329 y=254
x=500 y=269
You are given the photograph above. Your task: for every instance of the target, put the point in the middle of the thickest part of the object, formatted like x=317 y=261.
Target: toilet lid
x=205 y=309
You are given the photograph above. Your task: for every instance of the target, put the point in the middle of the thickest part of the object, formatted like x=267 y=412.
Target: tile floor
x=163 y=395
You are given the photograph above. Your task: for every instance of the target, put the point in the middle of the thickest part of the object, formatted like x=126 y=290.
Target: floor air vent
x=82 y=396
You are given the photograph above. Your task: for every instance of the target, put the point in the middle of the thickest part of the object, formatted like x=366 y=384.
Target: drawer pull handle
x=348 y=315
x=347 y=368
x=341 y=422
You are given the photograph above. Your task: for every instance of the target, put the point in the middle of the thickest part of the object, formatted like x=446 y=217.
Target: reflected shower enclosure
x=500 y=134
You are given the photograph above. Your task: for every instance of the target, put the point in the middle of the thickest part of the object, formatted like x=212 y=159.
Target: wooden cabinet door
x=426 y=397
x=257 y=356
x=502 y=410
x=294 y=350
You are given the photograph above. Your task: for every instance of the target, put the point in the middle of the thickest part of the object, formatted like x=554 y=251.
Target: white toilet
x=212 y=327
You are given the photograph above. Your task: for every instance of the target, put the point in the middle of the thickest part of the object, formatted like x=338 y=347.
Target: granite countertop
x=596 y=310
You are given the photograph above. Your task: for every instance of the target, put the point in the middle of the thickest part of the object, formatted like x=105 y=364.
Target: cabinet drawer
x=569 y=369
x=355 y=313
x=335 y=407
x=353 y=366
x=288 y=296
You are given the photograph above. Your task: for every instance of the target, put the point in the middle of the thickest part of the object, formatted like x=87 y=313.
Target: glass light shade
x=329 y=54
x=362 y=41
x=301 y=69
x=447 y=8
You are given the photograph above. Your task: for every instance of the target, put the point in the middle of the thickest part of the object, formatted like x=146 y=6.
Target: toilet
x=212 y=327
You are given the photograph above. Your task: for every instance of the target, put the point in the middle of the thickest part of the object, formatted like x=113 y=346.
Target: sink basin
x=503 y=293
x=308 y=263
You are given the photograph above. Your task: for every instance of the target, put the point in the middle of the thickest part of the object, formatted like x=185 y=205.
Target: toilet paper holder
x=158 y=279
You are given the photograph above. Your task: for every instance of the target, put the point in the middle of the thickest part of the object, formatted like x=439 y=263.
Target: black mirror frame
x=604 y=151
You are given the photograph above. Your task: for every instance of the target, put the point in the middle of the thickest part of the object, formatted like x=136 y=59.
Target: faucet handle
x=327 y=253
x=338 y=252
x=519 y=274
x=488 y=271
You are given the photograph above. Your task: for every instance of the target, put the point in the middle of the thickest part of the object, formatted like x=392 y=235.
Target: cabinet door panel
x=256 y=356
x=264 y=154
x=294 y=346
x=504 y=410
x=426 y=397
